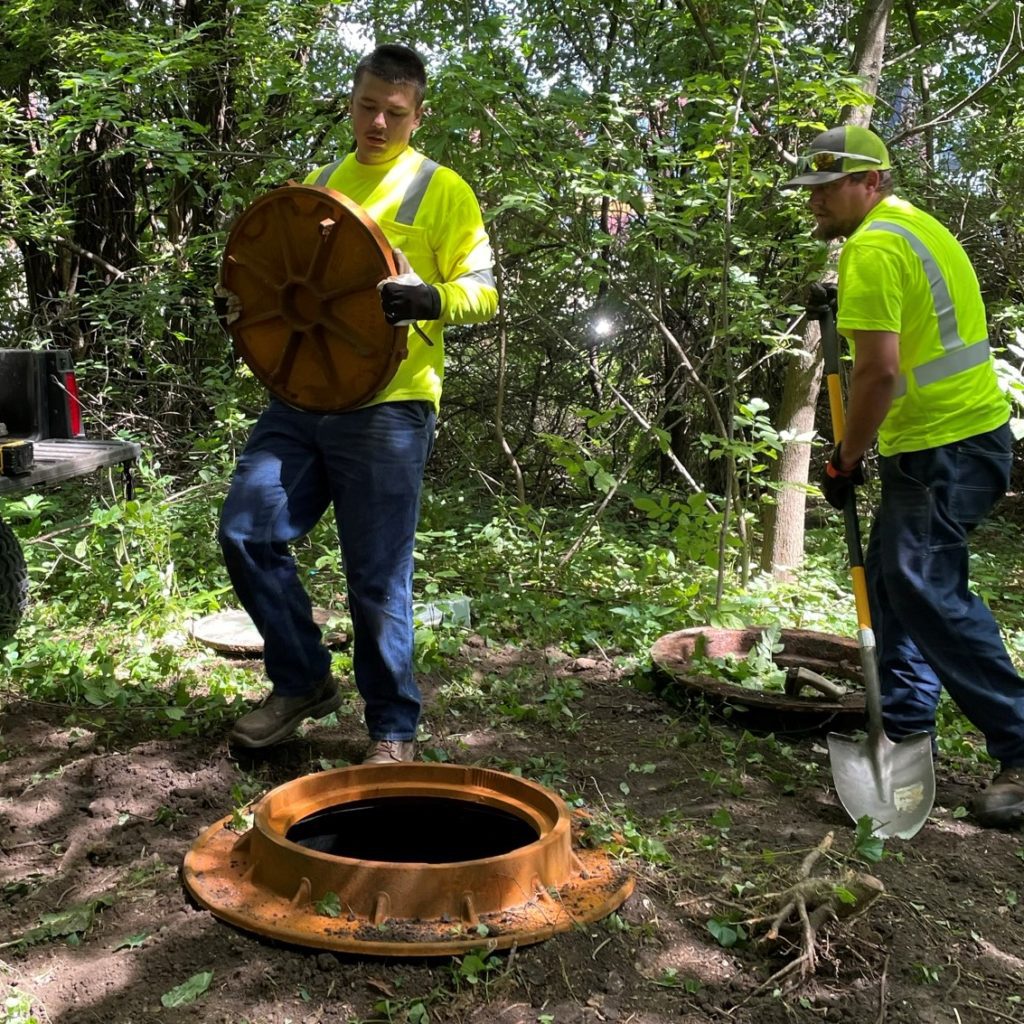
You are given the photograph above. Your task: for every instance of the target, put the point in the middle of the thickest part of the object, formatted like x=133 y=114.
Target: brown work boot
x=278 y=717
x=390 y=752
x=1001 y=803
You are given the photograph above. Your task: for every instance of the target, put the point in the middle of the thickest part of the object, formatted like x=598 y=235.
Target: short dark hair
x=885 y=183
x=394 y=63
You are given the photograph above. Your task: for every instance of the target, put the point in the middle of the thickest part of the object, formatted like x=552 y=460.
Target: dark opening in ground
x=426 y=830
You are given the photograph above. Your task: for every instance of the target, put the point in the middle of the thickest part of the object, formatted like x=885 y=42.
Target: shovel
x=891 y=783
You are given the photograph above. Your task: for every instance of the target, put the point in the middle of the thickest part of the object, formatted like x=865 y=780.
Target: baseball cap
x=838 y=152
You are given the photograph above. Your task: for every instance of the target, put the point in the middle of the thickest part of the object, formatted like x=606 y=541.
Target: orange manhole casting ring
x=530 y=884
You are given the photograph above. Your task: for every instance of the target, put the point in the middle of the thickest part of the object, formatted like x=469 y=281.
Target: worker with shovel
x=923 y=381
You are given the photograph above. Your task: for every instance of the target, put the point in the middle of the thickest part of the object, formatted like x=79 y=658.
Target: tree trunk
x=784 y=519
x=784 y=522
x=867 y=57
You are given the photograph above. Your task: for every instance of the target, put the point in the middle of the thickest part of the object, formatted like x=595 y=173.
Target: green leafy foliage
x=621 y=836
x=618 y=592
x=651 y=269
x=755 y=671
x=844 y=895
x=727 y=933
x=867 y=846
x=188 y=991
x=475 y=967
x=17 y=1008
x=928 y=974
x=329 y=905
x=70 y=924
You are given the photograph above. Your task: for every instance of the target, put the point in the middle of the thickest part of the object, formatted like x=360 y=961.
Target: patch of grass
x=18 y=1009
x=114 y=589
x=616 y=831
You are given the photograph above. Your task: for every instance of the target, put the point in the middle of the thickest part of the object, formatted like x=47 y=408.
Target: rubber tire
x=13 y=582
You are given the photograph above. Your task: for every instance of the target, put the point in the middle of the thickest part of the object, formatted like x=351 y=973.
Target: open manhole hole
x=427 y=830
x=701 y=659
x=405 y=860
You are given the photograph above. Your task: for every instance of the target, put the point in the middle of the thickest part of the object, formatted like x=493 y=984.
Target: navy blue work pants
x=369 y=463
x=931 y=631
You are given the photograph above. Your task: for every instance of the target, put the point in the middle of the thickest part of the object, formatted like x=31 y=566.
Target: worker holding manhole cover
x=367 y=458
x=923 y=380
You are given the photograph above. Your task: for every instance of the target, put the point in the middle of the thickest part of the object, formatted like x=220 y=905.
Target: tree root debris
x=806 y=906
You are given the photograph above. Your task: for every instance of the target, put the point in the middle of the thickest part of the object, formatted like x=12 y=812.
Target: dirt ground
x=103 y=819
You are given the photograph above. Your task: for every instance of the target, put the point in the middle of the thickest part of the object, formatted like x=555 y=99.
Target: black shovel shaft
x=823 y=310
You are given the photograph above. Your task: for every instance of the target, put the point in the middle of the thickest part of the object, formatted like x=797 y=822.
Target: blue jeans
x=369 y=462
x=930 y=629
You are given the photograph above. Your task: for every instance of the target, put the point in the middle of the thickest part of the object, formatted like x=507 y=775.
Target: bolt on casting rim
x=264 y=882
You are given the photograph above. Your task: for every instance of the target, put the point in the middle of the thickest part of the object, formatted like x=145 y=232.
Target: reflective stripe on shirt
x=325 y=172
x=413 y=198
x=483 y=276
x=414 y=194
x=958 y=356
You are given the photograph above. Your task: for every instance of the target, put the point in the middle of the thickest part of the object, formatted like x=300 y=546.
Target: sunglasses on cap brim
x=826 y=160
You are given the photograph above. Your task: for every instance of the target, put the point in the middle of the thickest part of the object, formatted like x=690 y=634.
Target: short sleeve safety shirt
x=902 y=271
x=432 y=215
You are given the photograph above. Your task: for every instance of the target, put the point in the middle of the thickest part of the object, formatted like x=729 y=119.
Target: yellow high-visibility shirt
x=902 y=271
x=432 y=215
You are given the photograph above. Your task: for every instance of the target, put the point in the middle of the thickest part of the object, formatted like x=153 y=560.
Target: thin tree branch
x=684 y=361
x=66 y=243
x=1003 y=66
x=957 y=29
x=765 y=131
x=499 y=403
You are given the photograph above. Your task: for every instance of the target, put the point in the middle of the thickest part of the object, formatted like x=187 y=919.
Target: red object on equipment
x=73 y=404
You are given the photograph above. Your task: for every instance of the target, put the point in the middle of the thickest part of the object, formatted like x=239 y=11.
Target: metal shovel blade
x=892 y=783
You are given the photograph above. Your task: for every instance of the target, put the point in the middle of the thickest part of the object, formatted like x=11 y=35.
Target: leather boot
x=1001 y=803
x=278 y=717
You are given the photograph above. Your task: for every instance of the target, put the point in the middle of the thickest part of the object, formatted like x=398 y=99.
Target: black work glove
x=837 y=484
x=407 y=298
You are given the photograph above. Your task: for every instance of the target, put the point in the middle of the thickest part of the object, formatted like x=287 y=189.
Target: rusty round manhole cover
x=836 y=658
x=305 y=262
x=232 y=631
x=409 y=859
